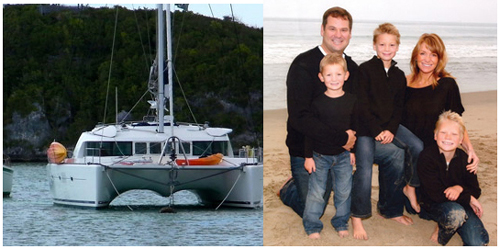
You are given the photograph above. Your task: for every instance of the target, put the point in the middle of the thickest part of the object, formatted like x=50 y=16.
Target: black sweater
x=340 y=114
x=435 y=177
x=303 y=85
x=381 y=97
x=424 y=105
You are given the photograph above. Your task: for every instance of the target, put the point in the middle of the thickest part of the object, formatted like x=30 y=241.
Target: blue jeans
x=413 y=145
x=340 y=169
x=294 y=193
x=390 y=160
x=453 y=217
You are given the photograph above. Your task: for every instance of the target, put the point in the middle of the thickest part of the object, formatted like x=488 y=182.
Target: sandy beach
x=282 y=227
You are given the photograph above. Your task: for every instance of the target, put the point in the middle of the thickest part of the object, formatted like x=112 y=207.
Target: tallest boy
x=303 y=85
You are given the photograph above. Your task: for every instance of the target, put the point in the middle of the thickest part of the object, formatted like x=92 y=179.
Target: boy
x=449 y=190
x=337 y=109
x=380 y=94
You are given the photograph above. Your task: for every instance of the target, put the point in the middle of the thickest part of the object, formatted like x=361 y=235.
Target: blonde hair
x=332 y=59
x=434 y=43
x=386 y=28
x=451 y=116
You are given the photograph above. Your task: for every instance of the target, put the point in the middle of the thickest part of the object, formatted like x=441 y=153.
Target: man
x=303 y=85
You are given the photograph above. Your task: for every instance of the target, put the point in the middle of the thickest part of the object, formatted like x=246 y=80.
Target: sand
x=282 y=227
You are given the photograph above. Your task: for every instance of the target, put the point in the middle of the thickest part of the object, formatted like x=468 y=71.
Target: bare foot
x=403 y=219
x=409 y=191
x=279 y=190
x=314 y=236
x=358 y=229
x=344 y=234
x=434 y=236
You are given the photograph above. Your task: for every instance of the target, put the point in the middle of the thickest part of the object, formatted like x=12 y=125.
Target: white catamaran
x=158 y=154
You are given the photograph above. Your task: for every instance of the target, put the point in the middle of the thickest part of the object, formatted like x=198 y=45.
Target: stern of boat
x=242 y=187
x=79 y=185
x=8 y=174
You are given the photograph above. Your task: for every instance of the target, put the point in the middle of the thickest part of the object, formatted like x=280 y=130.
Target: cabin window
x=141 y=148
x=209 y=147
x=154 y=148
x=109 y=149
x=178 y=149
x=187 y=148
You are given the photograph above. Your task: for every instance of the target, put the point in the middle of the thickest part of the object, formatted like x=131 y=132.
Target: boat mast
x=170 y=71
x=160 y=54
x=161 y=81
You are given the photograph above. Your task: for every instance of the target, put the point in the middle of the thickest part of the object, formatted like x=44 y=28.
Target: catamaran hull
x=94 y=185
x=7 y=180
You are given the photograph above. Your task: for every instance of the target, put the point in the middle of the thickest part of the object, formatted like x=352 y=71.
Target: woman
x=430 y=91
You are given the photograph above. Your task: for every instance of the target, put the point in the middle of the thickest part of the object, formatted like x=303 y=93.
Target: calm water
x=472 y=51
x=30 y=218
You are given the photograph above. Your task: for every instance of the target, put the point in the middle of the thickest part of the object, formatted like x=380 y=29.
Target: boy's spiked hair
x=451 y=116
x=332 y=59
x=386 y=28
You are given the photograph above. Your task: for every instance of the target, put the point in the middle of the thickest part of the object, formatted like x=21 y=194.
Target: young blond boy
x=380 y=92
x=449 y=190
x=337 y=109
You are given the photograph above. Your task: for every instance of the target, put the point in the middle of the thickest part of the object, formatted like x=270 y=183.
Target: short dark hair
x=337 y=12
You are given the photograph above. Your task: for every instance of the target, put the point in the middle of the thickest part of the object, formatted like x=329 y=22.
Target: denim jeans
x=340 y=169
x=390 y=160
x=453 y=217
x=294 y=194
x=407 y=140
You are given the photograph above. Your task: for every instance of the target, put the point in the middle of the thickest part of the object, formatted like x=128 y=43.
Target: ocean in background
x=472 y=51
x=31 y=219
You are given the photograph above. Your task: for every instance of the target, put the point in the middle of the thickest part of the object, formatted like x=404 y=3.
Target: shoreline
x=282 y=227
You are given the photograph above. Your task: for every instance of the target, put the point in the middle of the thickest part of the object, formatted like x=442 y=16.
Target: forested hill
x=56 y=69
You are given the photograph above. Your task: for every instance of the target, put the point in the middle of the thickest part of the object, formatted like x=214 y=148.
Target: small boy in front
x=449 y=190
x=338 y=109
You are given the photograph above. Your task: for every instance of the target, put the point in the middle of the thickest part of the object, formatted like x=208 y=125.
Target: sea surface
x=31 y=219
x=472 y=51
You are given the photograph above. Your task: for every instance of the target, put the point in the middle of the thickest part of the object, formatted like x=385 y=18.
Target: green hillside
x=56 y=69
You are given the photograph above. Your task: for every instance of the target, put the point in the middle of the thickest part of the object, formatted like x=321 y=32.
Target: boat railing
x=249 y=152
x=93 y=155
x=201 y=126
x=151 y=122
x=6 y=160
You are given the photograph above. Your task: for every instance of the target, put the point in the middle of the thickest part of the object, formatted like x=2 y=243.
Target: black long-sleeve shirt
x=435 y=176
x=303 y=85
x=424 y=105
x=380 y=96
x=338 y=113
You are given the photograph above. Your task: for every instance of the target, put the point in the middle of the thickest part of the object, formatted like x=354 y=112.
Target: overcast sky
x=253 y=11
x=467 y=11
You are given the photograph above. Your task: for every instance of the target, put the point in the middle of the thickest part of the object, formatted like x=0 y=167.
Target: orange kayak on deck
x=209 y=160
